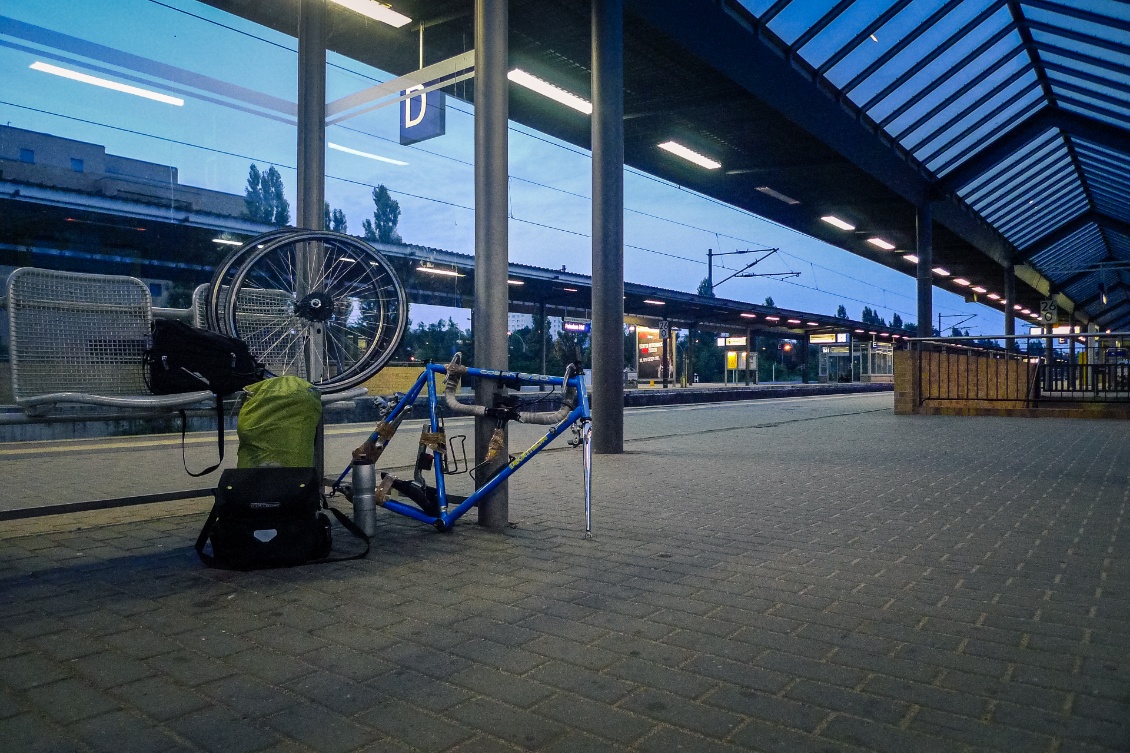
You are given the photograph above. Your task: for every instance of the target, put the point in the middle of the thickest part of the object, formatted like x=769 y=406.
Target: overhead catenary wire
x=421 y=197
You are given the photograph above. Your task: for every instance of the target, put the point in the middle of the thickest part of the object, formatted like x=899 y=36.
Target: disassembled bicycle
x=330 y=308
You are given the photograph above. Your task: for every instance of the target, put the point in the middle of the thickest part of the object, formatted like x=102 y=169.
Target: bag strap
x=219 y=438
x=205 y=532
x=353 y=529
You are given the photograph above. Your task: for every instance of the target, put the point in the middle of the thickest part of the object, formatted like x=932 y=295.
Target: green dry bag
x=277 y=424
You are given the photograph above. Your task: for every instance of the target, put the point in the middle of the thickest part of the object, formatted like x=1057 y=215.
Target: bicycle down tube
x=447 y=514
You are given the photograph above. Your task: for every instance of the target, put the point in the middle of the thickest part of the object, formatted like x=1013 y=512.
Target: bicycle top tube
x=519 y=376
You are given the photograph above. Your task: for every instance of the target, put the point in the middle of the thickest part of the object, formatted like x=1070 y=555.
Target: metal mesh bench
x=79 y=340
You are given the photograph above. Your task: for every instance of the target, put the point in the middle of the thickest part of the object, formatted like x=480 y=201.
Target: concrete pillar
x=608 y=226
x=749 y=349
x=543 y=333
x=491 y=232
x=804 y=343
x=310 y=201
x=1009 y=312
x=925 y=253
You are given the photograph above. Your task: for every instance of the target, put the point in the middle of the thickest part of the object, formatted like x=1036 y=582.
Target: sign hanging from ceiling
x=576 y=325
x=423 y=116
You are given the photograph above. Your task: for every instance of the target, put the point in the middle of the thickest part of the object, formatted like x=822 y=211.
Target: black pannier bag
x=270 y=517
x=180 y=358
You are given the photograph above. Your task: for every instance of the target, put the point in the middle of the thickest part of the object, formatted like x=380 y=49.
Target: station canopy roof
x=1009 y=118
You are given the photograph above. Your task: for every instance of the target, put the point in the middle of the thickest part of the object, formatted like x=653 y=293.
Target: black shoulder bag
x=271 y=517
x=180 y=358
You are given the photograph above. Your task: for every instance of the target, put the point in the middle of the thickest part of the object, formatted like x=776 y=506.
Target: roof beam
x=1073 y=124
x=1097 y=298
x=1067 y=229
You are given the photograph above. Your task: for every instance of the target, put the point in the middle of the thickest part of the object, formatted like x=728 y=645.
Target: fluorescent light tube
x=881 y=244
x=375 y=11
x=546 y=89
x=439 y=271
x=835 y=221
x=911 y=258
x=106 y=83
x=366 y=155
x=962 y=282
x=690 y=155
x=941 y=271
x=226 y=242
x=777 y=195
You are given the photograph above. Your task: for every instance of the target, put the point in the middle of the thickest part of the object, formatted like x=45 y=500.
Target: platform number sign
x=1049 y=311
x=664 y=329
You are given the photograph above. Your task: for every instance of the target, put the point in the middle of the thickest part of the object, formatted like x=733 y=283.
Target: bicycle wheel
x=317 y=299
x=216 y=299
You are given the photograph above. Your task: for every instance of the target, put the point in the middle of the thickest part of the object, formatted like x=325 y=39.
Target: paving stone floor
x=763 y=577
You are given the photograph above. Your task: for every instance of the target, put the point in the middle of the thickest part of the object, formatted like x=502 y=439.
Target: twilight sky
x=195 y=52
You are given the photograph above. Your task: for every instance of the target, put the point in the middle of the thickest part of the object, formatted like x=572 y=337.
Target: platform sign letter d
x=409 y=119
x=422 y=115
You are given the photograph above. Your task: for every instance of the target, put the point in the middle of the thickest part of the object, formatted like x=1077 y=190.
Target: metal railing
x=1089 y=367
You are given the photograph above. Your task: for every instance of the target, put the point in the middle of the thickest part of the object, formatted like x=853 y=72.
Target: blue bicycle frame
x=448 y=515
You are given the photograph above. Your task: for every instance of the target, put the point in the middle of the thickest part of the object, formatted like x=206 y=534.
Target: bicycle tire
x=218 y=287
x=346 y=296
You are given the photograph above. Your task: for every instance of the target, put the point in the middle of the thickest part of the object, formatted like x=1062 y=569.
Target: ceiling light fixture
x=1017 y=307
x=911 y=258
x=106 y=83
x=962 y=282
x=570 y=290
x=941 y=271
x=749 y=316
x=690 y=155
x=777 y=195
x=773 y=318
x=979 y=289
x=994 y=296
x=515 y=282
x=835 y=221
x=366 y=155
x=654 y=303
x=879 y=242
x=376 y=11
x=546 y=89
x=794 y=321
x=439 y=271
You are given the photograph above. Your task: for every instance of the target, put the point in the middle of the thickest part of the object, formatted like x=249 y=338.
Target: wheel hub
x=316 y=307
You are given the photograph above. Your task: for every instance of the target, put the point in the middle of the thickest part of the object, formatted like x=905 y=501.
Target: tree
x=896 y=321
x=335 y=220
x=841 y=312
x=769 y=301
x=265 y=198
x=872 y=317
x=386 y=215
x=704 y=288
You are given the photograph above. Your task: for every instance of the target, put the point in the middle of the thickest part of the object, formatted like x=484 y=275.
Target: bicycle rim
x=219 y=287
x=318 y=298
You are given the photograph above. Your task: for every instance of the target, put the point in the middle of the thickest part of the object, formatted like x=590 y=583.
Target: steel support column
x=543 y=332
x=608 y=226
x=1009 y=312
x=806 y=345
x=312 y=173
x=491 y=232
x=925 y=227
